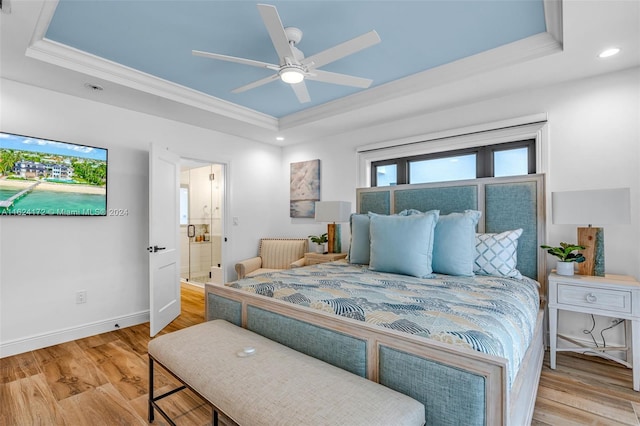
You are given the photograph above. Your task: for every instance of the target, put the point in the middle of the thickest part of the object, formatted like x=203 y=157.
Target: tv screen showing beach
x=46 y=177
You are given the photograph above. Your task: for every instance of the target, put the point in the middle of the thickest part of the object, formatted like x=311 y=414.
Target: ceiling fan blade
x=335 y=78
x=341 y=50
x=276 y=31
x=256 y=83
x=301 y=92
x=244 y=61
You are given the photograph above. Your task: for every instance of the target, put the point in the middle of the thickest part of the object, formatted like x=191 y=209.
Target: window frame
x=488 y=134
x=484 y=160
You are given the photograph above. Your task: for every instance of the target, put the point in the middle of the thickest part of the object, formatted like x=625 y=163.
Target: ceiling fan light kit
x=291 y=74
x=293 y=67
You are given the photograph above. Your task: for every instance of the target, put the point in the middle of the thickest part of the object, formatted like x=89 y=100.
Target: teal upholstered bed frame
x=506 y=203
x=457 y=386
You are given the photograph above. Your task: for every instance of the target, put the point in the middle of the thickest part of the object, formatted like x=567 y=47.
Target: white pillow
x=497 y=254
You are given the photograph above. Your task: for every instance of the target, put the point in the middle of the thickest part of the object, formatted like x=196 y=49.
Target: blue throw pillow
x=454 y=245
x=403 y=244
x=360 y=245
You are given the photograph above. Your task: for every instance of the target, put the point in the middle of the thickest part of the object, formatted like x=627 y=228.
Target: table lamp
x=591 y=207
x=332 y=212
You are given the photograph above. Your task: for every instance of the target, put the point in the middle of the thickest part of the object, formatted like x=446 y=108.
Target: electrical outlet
x=81 y=296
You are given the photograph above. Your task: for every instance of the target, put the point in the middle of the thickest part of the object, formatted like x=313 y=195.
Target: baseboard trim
x=18 y=346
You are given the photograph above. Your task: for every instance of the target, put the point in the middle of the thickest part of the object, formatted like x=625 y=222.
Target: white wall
x=44 y=261
x=593 y=144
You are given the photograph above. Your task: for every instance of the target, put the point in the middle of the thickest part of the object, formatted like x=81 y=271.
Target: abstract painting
x=304 y=188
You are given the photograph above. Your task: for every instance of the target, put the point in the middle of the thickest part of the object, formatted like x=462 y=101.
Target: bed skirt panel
x=219 y=307
x=451 y=396
x=338 y=349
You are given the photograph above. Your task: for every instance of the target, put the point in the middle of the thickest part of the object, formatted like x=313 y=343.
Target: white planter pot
x=319 y=248
x=565 y=268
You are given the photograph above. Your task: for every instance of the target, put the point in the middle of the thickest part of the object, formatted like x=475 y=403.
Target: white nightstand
x=616 y=296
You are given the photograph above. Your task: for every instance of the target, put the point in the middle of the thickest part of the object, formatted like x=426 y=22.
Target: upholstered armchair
x=274 y=254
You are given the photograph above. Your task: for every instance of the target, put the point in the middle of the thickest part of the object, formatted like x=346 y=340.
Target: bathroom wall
x=205 y=197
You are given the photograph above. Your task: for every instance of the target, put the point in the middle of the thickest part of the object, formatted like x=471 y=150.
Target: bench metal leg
x=152 y=400
x=151 y=390
x=153 y=405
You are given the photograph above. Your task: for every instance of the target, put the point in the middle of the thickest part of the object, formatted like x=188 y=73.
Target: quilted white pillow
x=496 y=254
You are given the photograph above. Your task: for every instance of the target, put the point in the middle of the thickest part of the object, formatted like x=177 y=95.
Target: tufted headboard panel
x=506 y=203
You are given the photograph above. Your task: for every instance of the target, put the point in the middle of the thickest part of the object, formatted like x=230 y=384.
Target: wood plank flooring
x=102 y=380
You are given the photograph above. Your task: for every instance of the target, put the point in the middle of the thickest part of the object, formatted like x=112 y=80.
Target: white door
x=164 y=243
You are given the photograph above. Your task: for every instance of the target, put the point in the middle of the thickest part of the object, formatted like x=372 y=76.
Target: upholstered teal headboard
x=506 y=203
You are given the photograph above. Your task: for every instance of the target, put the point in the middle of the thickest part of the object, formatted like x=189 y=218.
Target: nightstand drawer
x=611 y=300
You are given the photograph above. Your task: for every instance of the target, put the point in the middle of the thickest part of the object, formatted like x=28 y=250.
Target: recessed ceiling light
x=279 y=138
x=609 y=52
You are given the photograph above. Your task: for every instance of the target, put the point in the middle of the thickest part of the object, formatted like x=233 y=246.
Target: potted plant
x=320 y=241
x=567 y=257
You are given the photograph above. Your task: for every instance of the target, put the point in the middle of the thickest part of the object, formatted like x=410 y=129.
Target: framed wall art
x=304 y=188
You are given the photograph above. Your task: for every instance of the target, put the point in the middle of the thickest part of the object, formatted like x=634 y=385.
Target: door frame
x=224 y=223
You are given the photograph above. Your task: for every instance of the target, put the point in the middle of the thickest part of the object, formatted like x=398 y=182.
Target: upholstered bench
x=252 y=380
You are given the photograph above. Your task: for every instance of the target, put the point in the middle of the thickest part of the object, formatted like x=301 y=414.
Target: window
x=442 y=169
x=510 y=162
x=184 y=205
x=386 y=174
x=504 y=159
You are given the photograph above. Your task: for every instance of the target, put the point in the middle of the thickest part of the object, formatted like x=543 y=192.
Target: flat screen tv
x=52 y=178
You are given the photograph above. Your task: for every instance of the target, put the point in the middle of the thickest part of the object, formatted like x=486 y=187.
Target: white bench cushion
x=276 y=385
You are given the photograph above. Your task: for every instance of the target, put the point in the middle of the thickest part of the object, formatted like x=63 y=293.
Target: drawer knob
x=591 y=298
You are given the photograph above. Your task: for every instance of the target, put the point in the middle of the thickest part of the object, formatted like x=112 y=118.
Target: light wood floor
x=102 y=380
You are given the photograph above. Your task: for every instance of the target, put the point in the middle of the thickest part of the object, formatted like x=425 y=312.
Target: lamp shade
x=592 y=207
x=333 y=211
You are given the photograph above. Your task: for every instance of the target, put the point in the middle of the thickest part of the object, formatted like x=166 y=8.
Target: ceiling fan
x=294 y=68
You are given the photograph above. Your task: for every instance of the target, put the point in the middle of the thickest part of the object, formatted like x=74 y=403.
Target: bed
x=468 y=346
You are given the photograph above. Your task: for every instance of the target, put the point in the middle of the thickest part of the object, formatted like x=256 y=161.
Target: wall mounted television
x=51 y=178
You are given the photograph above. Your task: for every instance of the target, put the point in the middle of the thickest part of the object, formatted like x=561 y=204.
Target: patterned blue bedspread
x=493 y=315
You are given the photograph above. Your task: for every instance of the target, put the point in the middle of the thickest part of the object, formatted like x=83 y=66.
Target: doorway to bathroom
x=201 y=221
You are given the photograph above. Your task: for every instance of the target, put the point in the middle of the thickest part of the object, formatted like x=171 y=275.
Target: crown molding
x=510 y=54
x=55 y=53
x=553 y=19
x=76 y=60
x=533 y=47
x=519 y=51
